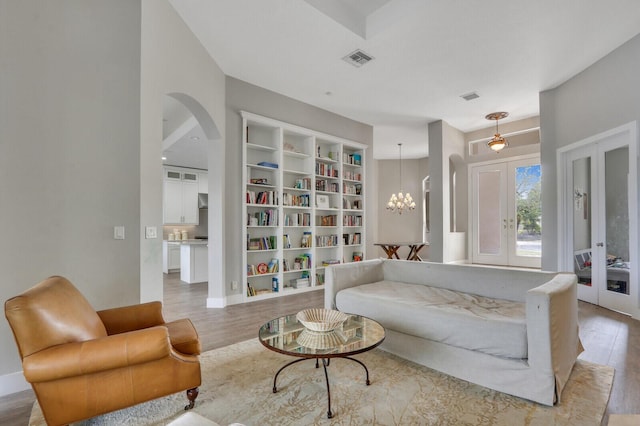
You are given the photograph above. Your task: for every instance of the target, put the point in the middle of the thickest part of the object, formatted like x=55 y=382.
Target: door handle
x=600 y=244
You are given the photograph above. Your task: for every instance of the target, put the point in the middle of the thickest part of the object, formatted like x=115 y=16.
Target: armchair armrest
x=130 y=318
x=92 y=356
x=339 y=277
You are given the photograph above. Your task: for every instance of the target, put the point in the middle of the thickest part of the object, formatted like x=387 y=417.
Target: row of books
x=355 y=159
x=297 y=219
x=295 y=200
x=264 y=268
x=327 y=220
x=262 y=243
x=329 y=170
x=302 y=183
x=267 y=217
x=326 y=186
x=252 y=291
x=327 y=240
x=352 y=220
x=349 y=175
x=300 y=262
x=351 y=188
x=350 y=239
x=262 y=197
x=328 y=262
x=305 y=241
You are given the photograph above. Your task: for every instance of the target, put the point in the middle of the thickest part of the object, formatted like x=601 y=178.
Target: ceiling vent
x=358 y=58
x=470 y=96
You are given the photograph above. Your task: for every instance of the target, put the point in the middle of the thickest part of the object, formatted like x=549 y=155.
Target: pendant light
x=401 y=201
x=498 y=142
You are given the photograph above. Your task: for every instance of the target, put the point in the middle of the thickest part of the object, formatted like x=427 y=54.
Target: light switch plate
x=118 y=232
x=150 y=232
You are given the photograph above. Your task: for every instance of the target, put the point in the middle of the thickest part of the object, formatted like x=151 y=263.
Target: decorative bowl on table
x=321 y=340
x=321 y=320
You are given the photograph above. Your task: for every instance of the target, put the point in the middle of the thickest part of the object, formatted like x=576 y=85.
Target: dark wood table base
x=391 y=250
x=325 y=364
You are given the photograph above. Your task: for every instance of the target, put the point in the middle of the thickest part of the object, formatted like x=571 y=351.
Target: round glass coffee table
x=288 y=336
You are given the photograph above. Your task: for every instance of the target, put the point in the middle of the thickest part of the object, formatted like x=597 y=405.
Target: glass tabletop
x=288 y=336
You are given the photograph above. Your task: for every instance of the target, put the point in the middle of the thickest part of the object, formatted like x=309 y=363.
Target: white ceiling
x=427 y=53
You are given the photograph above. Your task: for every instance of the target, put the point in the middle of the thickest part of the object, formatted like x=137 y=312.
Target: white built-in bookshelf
x=303 y=206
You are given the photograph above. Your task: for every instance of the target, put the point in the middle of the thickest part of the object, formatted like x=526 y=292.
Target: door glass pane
x=528 y=211
x=582 y=220
x=617 y=219
x=489 y=218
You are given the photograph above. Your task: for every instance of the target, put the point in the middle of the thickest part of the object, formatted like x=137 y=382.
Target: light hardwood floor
x=609 y=338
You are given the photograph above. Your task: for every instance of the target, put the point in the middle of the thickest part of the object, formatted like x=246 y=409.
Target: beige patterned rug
x=237 y=382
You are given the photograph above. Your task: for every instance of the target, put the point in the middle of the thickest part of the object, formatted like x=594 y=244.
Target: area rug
x=237 y=387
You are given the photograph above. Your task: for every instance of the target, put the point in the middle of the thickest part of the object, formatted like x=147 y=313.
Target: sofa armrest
x=552 y=327
x=130 y=318
x=339 y=277
x=92 y=356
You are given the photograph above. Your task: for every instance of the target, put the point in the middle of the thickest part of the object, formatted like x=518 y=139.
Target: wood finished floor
x=609 y=338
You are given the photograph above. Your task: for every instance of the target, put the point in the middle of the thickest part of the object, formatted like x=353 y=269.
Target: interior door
x=490 y=214
x=506 y=210
x=601 y=217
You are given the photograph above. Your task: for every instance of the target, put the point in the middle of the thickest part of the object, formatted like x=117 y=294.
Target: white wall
x=445 y=142
x=602 y=97
x=175 y=63
x=69 y=152
x=393 y=227
x=80 y=145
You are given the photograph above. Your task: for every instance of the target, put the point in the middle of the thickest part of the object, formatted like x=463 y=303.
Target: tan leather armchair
x=82 y=363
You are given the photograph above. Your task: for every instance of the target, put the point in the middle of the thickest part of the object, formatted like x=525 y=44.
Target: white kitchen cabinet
x=170 y=256
x=180 y=197
x=203 y=183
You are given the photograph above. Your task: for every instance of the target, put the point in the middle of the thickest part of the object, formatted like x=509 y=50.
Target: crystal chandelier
x=498 y=142
x=401 y=202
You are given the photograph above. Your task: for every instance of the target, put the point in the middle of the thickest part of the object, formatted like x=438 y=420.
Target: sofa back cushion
x=503 y=283
x=51 y=313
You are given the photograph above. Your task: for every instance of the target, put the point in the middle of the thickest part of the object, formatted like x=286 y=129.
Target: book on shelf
x=302 y=261
x=262 y=197
x=306 y=240
x=268 y=164
x=273 y=266
x=263 y=243
x=286 y=243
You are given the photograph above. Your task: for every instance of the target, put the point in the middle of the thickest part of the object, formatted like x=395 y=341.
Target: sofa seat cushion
x=493 y=326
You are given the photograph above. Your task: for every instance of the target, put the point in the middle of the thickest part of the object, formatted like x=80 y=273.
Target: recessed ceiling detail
x=358 y=58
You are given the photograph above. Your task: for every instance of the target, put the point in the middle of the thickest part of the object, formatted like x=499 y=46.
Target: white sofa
x=514 y=331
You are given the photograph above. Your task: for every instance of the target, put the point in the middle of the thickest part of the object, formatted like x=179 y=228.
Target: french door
x=505 y=213
x=600 y=219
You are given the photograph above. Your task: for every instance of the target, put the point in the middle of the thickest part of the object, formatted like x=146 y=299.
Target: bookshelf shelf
x=305 y=176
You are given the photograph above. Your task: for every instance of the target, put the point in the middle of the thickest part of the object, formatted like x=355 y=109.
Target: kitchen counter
x=187 y=242
x=194 y=260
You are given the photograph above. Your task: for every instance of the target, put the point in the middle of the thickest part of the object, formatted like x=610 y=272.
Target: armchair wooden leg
x=192 y=394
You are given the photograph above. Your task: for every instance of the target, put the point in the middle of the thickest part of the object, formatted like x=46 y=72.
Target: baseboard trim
x=12 y=383
x=216 y=302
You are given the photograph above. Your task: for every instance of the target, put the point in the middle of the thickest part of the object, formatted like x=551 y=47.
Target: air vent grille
x=470 y=96
x=358 y=58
